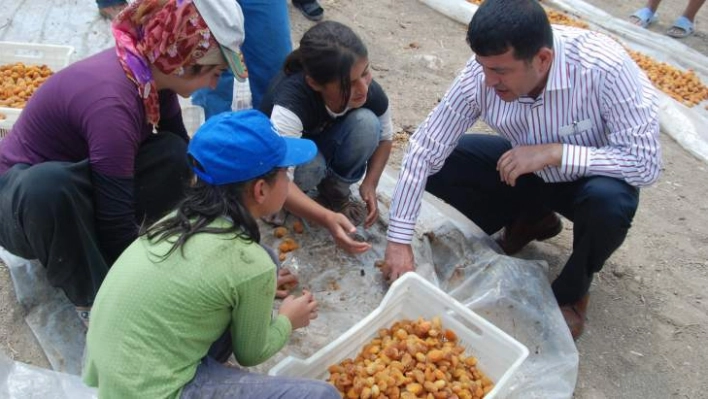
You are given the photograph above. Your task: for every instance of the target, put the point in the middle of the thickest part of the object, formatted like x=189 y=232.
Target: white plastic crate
x=498 y=354
x=8 y=116
x=53 y=56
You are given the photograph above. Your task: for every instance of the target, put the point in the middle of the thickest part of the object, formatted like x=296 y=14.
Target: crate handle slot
x=455 y=316
x=29 y=53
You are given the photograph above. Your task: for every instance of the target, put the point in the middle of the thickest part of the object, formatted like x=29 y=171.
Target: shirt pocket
x=580 y=132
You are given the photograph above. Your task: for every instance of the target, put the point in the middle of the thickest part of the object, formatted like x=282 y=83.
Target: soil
x=648 y=315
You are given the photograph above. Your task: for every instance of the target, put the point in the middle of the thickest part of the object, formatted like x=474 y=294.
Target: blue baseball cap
x=234 y=147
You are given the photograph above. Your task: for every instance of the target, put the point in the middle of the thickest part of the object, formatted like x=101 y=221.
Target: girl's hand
x=368 y=194
x=286 y=282
x=341 y=230
x=299 y=310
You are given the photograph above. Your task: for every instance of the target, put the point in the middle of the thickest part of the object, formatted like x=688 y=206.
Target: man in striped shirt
x=577 y=134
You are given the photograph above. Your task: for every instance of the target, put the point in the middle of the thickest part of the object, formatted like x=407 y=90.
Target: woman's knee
x=52 y=184
x=364 y=125
x=309 y=175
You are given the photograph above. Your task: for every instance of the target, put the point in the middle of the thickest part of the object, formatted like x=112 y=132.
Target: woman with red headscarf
x=101 y=147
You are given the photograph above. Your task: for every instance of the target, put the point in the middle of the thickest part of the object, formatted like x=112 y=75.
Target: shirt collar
x=558 y=78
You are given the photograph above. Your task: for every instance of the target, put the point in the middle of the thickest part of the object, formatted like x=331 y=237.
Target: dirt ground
x=648 y=316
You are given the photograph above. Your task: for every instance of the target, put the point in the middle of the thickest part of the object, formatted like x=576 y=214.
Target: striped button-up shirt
x=597 y=103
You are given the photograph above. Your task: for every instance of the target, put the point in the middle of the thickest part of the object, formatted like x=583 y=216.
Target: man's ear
x=313 y=85
x=545 y=58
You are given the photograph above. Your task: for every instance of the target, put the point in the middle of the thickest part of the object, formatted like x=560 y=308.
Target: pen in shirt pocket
x=575 y=127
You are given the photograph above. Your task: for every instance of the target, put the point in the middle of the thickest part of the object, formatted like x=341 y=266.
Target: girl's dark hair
x=500 y=25
x=204 y=203
x=326 y=54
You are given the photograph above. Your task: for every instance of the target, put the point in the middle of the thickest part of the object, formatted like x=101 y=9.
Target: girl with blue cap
x=197 y=286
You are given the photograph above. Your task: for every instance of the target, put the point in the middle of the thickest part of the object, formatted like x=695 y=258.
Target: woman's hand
x=299 y=310
x=286 y=282
x=368 y=194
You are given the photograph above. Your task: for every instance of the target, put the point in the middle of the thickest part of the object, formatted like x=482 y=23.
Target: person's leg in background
x=692 y=9
x=109 y=9
x=218 y=100
x=602 y=209
x=265 y=48
x=685 y=24
x=267 y=42
x=646 y=15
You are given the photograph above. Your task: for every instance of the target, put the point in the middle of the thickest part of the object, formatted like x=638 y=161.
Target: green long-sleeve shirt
x=153 y=321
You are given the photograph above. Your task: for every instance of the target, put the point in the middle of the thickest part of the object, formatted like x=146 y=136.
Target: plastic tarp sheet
x=20 y=381
x=684 y=124
x=451 y=252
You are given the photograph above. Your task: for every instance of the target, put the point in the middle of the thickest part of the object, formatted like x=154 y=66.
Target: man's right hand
x=398 y=260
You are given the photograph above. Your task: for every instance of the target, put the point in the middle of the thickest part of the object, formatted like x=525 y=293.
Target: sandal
x=311 y=10
x=682 y=27
x=643 y=17
x=110 y=12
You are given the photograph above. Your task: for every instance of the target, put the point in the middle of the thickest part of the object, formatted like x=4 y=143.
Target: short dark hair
x=499 y=25
x=327 y=53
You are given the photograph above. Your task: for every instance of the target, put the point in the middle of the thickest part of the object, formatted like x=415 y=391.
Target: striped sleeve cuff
x=576 y=160
x=400 y=231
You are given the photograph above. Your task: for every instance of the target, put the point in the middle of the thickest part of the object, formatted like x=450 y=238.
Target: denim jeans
x=343 y=150
x=214 y=380
x=601 y=207
x=265 y=48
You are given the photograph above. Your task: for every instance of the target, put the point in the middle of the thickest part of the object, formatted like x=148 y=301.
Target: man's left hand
x=528 y=159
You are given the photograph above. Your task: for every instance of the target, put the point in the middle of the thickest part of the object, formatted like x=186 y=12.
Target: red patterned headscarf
x=169 y=34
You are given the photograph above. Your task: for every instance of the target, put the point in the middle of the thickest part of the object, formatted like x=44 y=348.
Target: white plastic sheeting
x=451 y=252
x=20 y=381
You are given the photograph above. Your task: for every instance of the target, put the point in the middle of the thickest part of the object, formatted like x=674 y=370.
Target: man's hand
x=341 y=230
x=528 y=159
x=397 y=261
x=368 y=194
